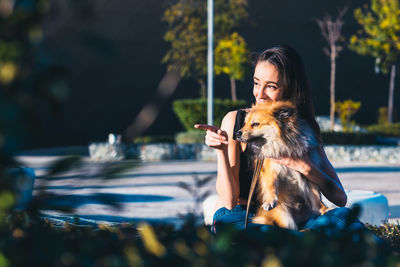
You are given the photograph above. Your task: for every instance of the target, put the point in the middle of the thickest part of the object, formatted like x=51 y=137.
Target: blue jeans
x=331 y=223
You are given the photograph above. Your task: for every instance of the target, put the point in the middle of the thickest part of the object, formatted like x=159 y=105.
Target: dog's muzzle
x=238 y=136
x=253 y=143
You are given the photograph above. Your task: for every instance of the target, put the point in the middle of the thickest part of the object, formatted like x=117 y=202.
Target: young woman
x=279 y=74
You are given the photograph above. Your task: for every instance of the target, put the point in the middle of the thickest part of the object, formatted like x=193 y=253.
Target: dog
x=275 y=130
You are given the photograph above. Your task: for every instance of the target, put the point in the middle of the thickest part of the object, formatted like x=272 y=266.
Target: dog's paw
x=269 y=205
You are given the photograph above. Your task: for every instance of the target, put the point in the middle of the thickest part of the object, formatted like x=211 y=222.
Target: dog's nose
x=238 y=134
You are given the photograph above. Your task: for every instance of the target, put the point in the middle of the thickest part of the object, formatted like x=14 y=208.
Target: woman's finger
x=213 y=143
x=216 y=135
x=215 y=138
x=206 y=127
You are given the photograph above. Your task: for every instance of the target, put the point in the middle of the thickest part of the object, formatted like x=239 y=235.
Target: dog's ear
x=284 y=113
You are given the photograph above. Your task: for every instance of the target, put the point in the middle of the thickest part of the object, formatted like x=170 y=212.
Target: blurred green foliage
x=187 y=34
x=232 y=59
x=380 y=33
x=389 y=232
x=383 y=115
x=346 y=109
x=39 y=243
x=379 y=37
x=27 y=77
x=27 y=81
x=193 y=111
x=190 y=137
x=386 y=129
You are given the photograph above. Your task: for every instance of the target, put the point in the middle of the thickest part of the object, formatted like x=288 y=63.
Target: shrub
x=383 y=115
x=390 y=232
x=345 y=138
x=31 y=243
x=192 y=111
x=346 y=109
x=192 y=137
x=387 y=129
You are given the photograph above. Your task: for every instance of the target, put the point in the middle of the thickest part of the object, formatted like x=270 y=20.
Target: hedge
x=192 y=111
x=30 y=241
x=192 y=137
x=345 y=138
x=386 y=129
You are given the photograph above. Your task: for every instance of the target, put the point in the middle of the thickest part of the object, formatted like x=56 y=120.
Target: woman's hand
x=215 y=137
x=302 y=165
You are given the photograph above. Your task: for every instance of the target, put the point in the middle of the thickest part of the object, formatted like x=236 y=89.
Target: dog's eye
x=255 y=124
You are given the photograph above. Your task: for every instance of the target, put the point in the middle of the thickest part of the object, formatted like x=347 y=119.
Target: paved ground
x=154 y=191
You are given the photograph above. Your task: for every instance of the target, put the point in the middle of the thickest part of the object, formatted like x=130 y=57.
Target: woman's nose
x=258 y=93
x=261 y=94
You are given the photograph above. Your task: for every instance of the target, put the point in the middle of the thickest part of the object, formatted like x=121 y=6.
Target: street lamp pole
x=210 y=61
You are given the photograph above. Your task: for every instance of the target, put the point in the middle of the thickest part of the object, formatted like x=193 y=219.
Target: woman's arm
x=228 y=160
x=325 y=177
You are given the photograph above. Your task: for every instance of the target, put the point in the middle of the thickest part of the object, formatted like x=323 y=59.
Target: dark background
x=112 y=51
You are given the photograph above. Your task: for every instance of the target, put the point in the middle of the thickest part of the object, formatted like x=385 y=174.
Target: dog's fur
x=277 y=131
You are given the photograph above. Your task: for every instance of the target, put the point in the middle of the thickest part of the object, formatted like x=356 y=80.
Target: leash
x=256 y=175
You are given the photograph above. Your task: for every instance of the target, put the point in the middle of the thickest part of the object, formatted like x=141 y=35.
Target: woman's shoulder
x=228 y=121
x=235 y=117
x=231 y=115
x=241 y=112
x=233 y=121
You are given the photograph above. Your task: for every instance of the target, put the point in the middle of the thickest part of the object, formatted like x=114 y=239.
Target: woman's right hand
x=215 y=137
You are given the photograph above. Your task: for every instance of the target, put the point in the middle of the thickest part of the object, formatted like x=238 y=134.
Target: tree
x=380 y=38
x=187 y=34
x=231 y=56
x=331 y=30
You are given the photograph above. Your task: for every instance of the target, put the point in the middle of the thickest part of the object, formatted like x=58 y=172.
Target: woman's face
x=266 y=83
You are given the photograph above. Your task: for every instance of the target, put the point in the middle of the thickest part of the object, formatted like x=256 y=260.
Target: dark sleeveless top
x=246 y=169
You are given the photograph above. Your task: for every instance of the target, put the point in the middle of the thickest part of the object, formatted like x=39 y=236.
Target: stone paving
x=152 y=191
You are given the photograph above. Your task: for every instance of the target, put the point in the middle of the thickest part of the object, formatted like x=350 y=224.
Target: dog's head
x=275 y=130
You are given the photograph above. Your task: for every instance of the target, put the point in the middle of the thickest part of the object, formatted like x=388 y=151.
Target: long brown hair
x=293 y=81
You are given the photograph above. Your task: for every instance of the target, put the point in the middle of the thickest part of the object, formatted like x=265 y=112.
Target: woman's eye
x=255 y=83
x=254 y=124
x=272 y=87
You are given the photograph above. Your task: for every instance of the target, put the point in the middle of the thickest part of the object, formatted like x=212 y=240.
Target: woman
x=279 y=74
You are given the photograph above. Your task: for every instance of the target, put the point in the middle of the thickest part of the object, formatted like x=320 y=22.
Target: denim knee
x=236 y=217
x=225 y=215
x=335 y=221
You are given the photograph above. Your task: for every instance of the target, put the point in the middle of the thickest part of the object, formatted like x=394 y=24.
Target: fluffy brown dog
x=287 y=196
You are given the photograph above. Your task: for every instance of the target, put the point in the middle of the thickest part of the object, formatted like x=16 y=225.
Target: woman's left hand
x=302 y=165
